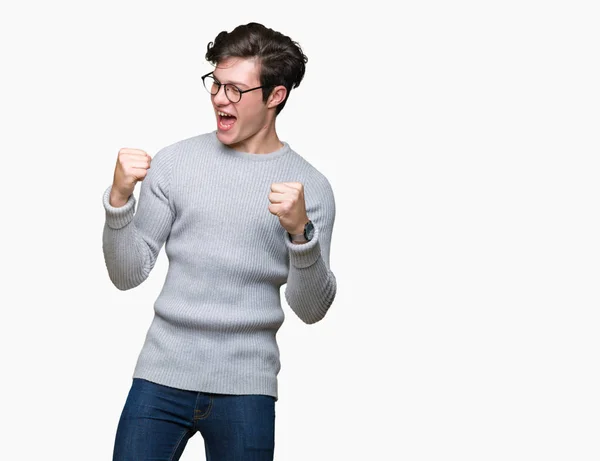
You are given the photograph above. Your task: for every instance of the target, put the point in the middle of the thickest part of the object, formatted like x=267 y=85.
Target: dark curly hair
x=282 y=61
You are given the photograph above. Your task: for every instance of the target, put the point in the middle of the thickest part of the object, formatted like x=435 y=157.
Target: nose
x=220 y=98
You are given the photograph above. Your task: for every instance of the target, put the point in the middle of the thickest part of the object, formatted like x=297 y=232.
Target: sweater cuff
x=304 y=254
x=118 y=217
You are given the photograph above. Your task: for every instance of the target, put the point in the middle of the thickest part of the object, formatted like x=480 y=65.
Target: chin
x=226 y=138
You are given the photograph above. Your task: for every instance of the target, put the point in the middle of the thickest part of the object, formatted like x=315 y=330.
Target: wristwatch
x=306 y=236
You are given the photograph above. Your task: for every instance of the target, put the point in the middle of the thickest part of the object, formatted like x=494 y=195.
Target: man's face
x=246 y=117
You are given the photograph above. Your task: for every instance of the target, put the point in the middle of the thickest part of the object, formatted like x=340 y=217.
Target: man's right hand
x=132 y=166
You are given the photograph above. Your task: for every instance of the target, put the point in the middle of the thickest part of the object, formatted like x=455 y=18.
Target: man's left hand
x=287 y=203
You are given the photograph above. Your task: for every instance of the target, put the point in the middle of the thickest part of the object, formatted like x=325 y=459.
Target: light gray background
x=461 y=140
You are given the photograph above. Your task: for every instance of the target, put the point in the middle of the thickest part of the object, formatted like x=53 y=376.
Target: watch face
x=309 y=230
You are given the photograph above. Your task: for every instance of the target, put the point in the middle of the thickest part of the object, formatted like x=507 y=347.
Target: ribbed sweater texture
x=217 y=315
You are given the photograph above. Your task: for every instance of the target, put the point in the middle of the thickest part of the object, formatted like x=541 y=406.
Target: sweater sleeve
x=311 y=285
x=132 y=240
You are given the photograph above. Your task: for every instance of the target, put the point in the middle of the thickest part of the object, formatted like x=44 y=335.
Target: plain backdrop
x=461 y=141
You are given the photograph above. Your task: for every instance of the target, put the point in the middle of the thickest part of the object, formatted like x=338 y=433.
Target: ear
x=277 y=96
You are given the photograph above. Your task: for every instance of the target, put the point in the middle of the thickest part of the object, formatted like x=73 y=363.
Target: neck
x=263 y=141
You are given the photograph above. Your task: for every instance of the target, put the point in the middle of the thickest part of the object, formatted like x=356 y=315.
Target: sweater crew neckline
x=226 y=150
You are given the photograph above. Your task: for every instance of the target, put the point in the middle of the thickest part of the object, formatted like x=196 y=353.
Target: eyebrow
x=233 y=82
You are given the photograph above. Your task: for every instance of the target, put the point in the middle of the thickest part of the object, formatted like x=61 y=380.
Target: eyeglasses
x=233 y=93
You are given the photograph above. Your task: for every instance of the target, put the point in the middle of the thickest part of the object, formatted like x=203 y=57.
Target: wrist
x=117 y=200
x=297 y=238
x=304 y=235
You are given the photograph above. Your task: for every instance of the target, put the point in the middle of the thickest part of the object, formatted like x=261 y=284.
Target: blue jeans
x=157 y=421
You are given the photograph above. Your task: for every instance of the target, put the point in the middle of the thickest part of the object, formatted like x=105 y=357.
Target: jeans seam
x=177 y=445
x=207 y=414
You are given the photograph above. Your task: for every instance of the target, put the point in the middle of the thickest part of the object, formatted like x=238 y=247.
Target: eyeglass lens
x=232 y=92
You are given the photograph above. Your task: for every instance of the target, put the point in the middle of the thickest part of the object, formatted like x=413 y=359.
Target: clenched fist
x=287 y=203
x=132 y=166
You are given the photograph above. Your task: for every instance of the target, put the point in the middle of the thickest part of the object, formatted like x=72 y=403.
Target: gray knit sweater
x=216 y=318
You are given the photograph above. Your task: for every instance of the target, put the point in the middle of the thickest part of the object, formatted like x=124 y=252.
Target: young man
x=240 y=214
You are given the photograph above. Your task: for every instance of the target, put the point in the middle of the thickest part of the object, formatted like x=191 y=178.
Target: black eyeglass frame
x=225 y=85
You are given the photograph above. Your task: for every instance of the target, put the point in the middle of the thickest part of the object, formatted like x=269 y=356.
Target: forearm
x=310 y=292
x=126 y=255
x=127 y=261
x=311 y=285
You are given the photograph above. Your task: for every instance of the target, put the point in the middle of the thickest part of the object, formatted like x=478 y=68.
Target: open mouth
x=225 y=121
